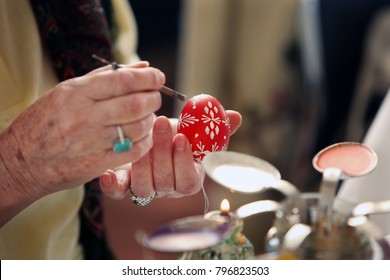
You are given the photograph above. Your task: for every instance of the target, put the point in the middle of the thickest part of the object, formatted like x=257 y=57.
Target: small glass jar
x=341 y=242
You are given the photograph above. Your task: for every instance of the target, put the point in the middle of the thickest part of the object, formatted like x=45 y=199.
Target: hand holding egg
x=169 y=169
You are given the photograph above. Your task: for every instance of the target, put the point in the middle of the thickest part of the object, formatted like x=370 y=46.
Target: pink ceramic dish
x=353 y=159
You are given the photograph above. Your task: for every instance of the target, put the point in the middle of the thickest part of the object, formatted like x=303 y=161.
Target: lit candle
x=234 y=246
x=225 y=207
x=224 y=215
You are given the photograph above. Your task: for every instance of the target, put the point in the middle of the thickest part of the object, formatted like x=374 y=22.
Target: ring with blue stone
x=123 y=144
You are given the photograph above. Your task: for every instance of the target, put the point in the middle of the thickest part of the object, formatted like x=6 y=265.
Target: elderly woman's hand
x=66 y=137
x=167 y=170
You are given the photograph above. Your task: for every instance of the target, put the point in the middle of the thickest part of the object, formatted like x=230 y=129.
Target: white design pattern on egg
x=212 y=122
x=200 y=152
x=186 y=120
x=226 y=122
x=214 y=147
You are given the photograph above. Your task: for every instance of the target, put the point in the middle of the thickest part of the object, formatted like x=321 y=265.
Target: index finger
x=138 y=64
x=112 y=83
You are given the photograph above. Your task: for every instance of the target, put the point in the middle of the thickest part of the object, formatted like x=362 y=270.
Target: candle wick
x=225 y=213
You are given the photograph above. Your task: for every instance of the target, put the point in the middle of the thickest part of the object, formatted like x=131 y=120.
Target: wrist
x=18 y=188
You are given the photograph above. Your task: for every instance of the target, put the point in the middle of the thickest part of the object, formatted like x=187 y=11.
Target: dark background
x=158 y=36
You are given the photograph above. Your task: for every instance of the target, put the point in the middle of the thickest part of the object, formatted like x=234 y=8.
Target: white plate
x=240 y=172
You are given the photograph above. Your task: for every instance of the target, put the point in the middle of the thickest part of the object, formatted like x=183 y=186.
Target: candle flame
x=225 y=206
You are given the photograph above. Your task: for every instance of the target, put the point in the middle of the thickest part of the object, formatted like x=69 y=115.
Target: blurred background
x=303 y=73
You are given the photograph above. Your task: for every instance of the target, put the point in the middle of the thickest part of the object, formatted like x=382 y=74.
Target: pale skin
x=66 y=137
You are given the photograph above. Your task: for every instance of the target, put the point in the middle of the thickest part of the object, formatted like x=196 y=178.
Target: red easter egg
x=204 y=121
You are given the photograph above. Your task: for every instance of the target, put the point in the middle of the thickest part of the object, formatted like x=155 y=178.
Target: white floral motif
x=214 y=147
x=226 y=122
x=213 y=122
x=201 y=152
x=200 y=146
x=186 y=120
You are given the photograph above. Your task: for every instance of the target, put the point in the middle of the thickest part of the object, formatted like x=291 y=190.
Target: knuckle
x=158 y=78
x=60 y=95
x=149 y=78
x=140 y=105
x=137 y=106
x=142 y=190
x=141 y=147
x=190 y=189
x=126 y=79
x=145 y=124
x=157 y=101
x=164 y=182
x=136 y=152
x=69 y=119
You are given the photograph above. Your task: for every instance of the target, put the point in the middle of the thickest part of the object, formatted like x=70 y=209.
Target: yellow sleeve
x=125 y=45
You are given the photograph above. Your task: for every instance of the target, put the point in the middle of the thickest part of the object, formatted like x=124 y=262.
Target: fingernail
x=180 y=144
x=106 y=179
x=162 y=125
x=121 y=177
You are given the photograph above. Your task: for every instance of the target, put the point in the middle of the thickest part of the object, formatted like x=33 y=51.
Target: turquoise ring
x=123 y=144
x=121 y=147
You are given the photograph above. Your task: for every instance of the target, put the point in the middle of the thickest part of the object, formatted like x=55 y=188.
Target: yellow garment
x=49 y=228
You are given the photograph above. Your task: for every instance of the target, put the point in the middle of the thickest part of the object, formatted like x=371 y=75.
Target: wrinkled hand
x=66 y=137
x=168 y=169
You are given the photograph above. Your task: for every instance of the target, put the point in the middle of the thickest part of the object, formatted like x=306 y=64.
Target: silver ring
x=141 y=201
